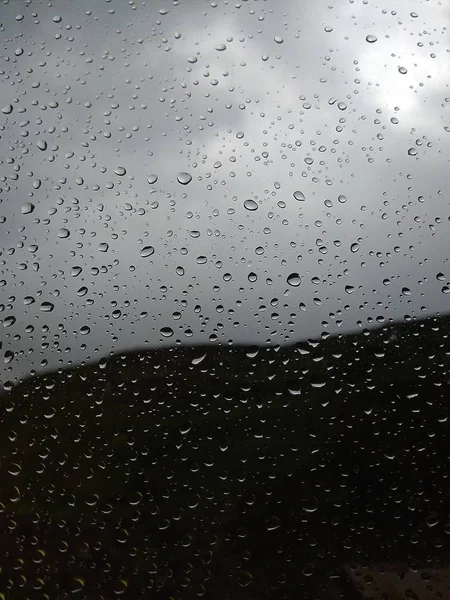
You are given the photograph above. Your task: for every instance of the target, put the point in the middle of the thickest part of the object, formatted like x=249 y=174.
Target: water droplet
x=221 y=47
x=63 y=233
x=57 y=19
x=273 y=523
x=300 y=196
x=120 y=171
x=342 y=199
x=76 y=271
x=294 y=279
x=151 y=179
x=349 y=289
x=7 y=110
x=354 y=247
x=278 y=39
x=250 y=205
x=406 y=291
x=27 y=208
x=82 y=291
x=103 y=247
x=166 y=332
x=147 y=251
x=41 y=144
x=402 y=70
x=412 y=152
x=371 y=39
x=309 y=504
x=9 y=321
x=47 y=307
x=184 y=178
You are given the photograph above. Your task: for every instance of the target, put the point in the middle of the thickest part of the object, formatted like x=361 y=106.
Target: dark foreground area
x=319 y=470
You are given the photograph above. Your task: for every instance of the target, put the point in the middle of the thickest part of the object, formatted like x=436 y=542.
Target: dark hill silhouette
x=228 y=472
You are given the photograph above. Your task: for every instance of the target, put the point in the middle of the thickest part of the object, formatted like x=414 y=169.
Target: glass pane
x=224 y=284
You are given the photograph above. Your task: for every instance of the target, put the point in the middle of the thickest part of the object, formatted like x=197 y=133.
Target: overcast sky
x=344 y=105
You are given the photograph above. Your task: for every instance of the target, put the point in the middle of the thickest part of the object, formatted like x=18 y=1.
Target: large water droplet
x=184 y=178
x=166 y=332
x=7 y=110
x=371 y=39
x=151 y=179
x=300 y=196
x=294 y=279
x=47 y=307
x=27 y=208
x=63 y=233
x=120 y=171
x=250 y=204
x=147 y=251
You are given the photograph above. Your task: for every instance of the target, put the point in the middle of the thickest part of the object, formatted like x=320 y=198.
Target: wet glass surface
x=224 y=299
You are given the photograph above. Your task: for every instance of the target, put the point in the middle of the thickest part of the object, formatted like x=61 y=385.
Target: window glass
x=224 y=299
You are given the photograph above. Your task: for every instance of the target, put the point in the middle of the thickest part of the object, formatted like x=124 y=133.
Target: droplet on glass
x=184 y=178
x=41 y=144
x=47 y=307
x=278 y=39
x=27 y=208
x=354 y=247
x=300 y=196
x=120 y=171
x=342 y=199
x=147 y=251
x=7 y=110
x=349 y=289
x=221 y=47
x=250 y=204
x=294 y=279
x=371 y=39
x=166 y=332
x=151 y=179
x=402 y=70
x=63 y=233
x=103 y=247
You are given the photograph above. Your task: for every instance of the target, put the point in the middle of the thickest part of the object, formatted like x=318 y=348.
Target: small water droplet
x=349 y=289
x=103 y=247
x=342 y=199
x=151 y=179
x=41 y=144
x=402 y=70
x=371 y=39
x=221 y=47
x=120 y=171
x=7 y=110
x=354 y=247
x=278 y=39
x=406 y=291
